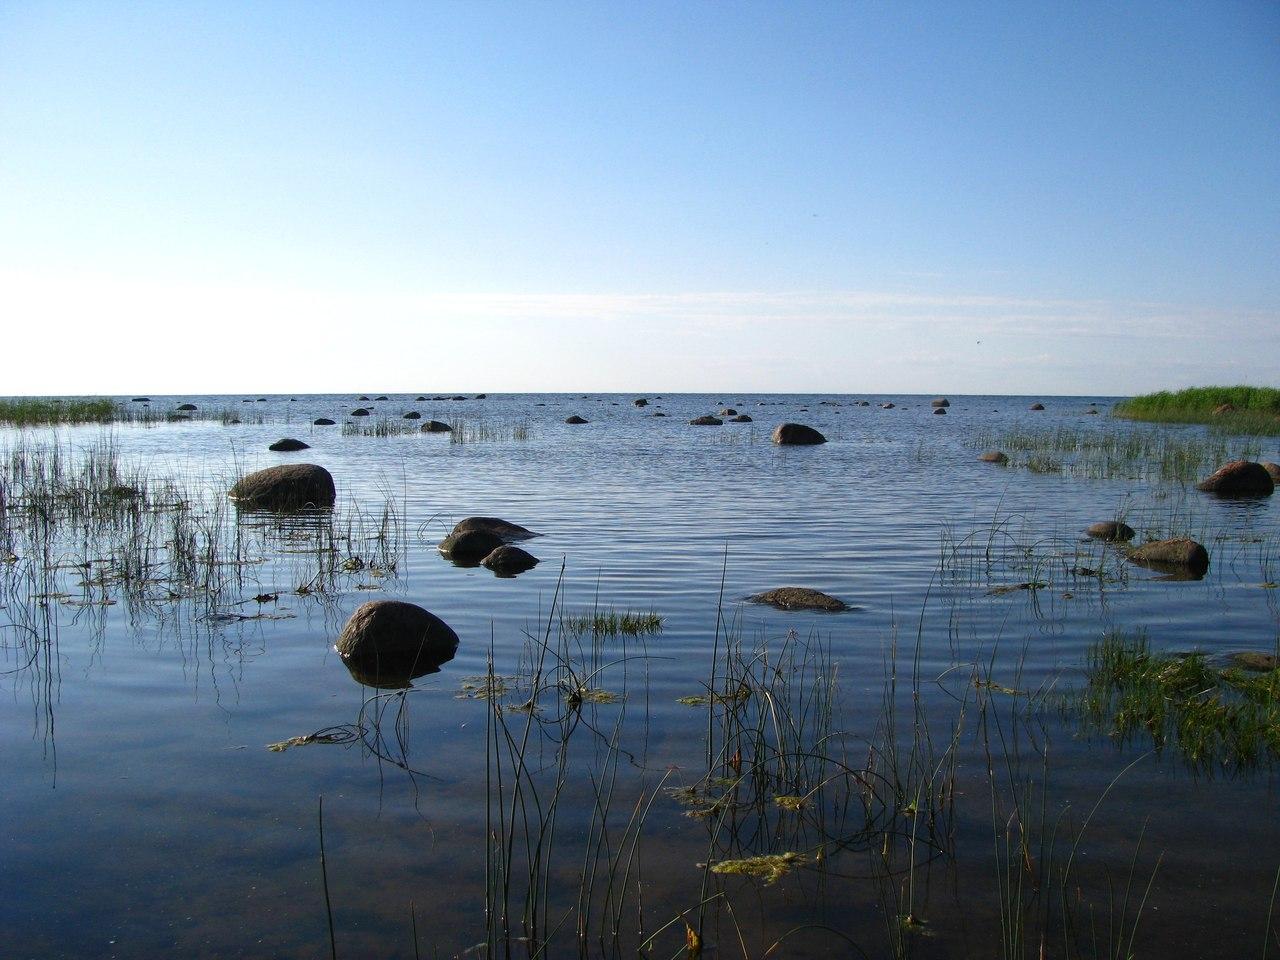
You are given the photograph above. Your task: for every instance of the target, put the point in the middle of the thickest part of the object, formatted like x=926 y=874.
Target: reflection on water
x=911 y=764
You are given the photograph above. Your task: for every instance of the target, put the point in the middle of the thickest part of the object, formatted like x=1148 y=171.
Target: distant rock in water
x=658 y=413
x=1256 y=660
x=412 y=415
x=575 y=419
x=294 y=486
x=1113 y=531
x=940 y=402
x=419 y=399
x=389 y=639
x=1239 y=478
x=482 y=396
x=797 y=434
x=887 y=406
x=322 y=422
x=435 y=426
x=458 y=397
x=187 y=406
x=359 y=412
x=470 y=547
x=141 y=400
x=640 y=402
x=495 y=525
x=740 y=418
x=362 y=397
x=1092 y=411
x=507 y=561
x=993 y=456
x=379 y=398
x=727 y=412
x=939 y=410
x=707 y=421
x=1037 y=406
x=1273 y=469
x=1177 y=555
x=288 y=445
x=800 y=598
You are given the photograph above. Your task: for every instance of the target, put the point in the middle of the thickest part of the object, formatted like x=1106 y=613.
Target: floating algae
x=346 y=733
x=770 y=867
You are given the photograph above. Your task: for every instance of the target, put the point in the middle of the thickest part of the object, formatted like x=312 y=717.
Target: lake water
x=145 y=816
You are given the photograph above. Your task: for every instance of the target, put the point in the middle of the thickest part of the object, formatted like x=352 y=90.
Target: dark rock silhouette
x=294 y=486
x=796 y=433
x=1113 y=531
x=288 y=445
x=1239 y=478
x=389 y=641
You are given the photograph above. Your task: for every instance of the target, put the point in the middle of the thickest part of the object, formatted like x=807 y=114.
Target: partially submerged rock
x=187 y=406
x=294 y=486
x=707 y=421
x=1177 y=555
x=470 y=547
x=887 y=406
x=435 y=426
x=1037 y=406
x=940 y=402
x=495 y=525
x=575 y=419
x=797 y=434
x=388 y=639
x=993 y=456
x=1273 y=469
x=640 y=402
x=800 y=598
x=1239 y=478
x=322 y=422
x=740 y=418
x=412 y=415
x=288 y=445
x=727 y=412
x=1113 y=531
x=359 y=412
x=1256 y=660
x=939 y=410
x=507 y=561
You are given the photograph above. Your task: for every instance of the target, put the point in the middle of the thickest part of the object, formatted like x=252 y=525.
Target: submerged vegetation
x=1240 y=409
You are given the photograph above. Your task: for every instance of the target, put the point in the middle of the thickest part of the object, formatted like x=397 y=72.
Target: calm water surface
x=145 y=817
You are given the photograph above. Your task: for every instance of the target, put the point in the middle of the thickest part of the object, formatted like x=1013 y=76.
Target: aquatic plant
x=1241 y=409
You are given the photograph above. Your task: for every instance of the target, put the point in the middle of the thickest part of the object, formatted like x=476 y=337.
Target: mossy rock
x=295 y=486
x=800 y=598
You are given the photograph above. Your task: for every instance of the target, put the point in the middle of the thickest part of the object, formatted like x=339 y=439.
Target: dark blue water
x=144 y=815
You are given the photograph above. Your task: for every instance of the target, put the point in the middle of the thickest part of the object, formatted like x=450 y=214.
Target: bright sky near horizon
x=845 y=197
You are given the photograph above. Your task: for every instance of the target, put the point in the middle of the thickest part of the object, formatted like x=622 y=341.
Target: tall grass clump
x=40 y=411
x=1241 y=409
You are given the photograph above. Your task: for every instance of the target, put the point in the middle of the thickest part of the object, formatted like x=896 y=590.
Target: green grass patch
x=35 y=411
x=1214 y=717
x=1248 y=409
x=612 y=623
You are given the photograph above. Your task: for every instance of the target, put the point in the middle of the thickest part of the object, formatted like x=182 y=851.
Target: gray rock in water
x=939 y=410
x=187 y=406
x=1176 y=555
x=1239 y=478
x=797 y=433
x=1113 y=531
x=1037 y=406
x=940 y=402
x=482 y=396
x=435 y=426
x=390 y=638
x=412 y=415
x=294 y=486
x=727 y=412
x=741 y=418
x=141 y=400
x=495 y=525
x=359 y=412
x=707 y=421
x=575 y=419
x=507 y=561
x=800 y=598
x=640 y=402
x=887 y=406
x=470 y=547
x=993 y=456
x=1256 y=660
x=288 y=445
x=322 y=422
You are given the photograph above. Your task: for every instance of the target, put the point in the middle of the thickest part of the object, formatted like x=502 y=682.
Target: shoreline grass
x=1242 y=409
x=42 y=411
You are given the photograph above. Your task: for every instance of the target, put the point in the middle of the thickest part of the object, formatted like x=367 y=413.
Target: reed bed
x=1238 y=409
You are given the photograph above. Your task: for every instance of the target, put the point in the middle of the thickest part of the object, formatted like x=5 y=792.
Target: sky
x=845 y=197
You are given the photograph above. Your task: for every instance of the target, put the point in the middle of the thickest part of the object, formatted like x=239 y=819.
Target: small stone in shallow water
x=288 y=445
x=797 y=434
x=508 y=560
x=1110 y=530
x=800 y=598
x=993 y=456
x=707 y=421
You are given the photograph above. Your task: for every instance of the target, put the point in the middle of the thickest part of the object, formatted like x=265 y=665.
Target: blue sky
x=288 y=197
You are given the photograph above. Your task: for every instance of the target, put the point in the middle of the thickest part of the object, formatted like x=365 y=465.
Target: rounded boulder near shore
x=796 y=434
x=294 y=486
x=1176 y=555
x=289 y=445
x=396 y=638
x=1112 y=531
x=1239 y=478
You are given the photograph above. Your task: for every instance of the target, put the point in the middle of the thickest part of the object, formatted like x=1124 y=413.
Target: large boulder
x=359 y=412
x=993 y=456
x=796 y=433
x=435 y=426
x=507 y=561
x=575 y=420
x=1239 y=478
x=940 y=402
x=1037 y=406
x=800 y=598
x=289 y=445
x=295 y=486
x=1113 y=531
x=495 y=525
x=1273 y=469
x=322 y=422
x=387 y=639
x=468 y=548
x=1177 y=555
x=707 y=421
